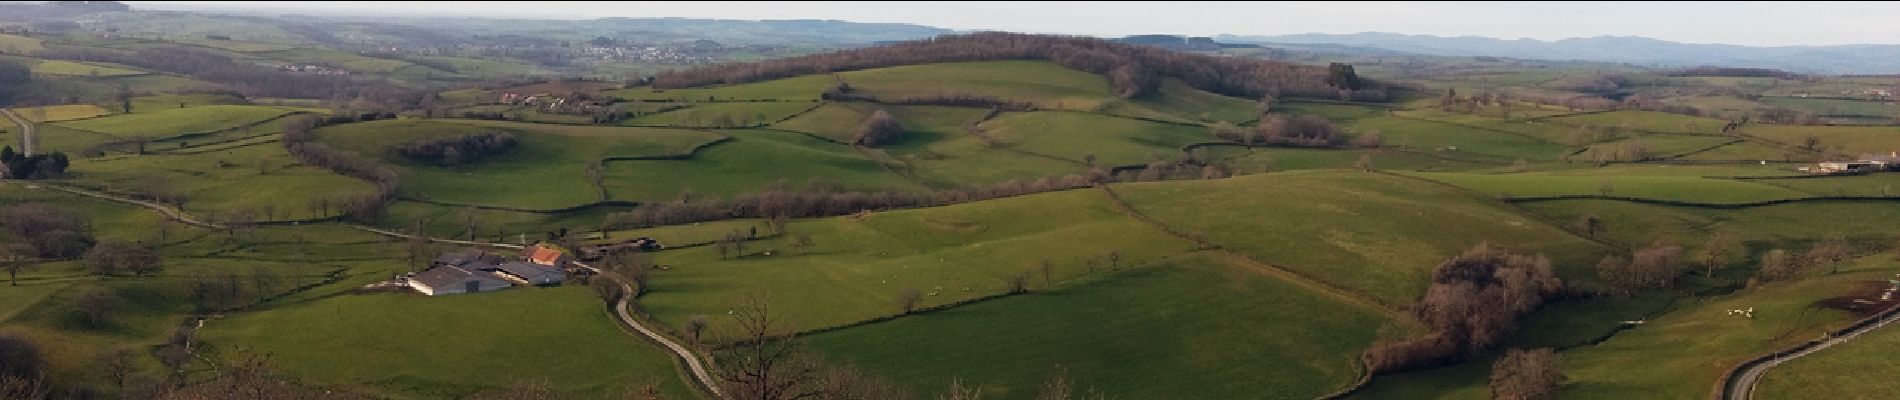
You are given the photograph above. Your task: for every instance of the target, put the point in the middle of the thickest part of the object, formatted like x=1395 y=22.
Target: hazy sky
x=1748 y=23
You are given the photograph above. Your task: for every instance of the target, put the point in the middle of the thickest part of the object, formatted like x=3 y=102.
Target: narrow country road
x=26 y=131
x=1742 y=387
x=698 y=369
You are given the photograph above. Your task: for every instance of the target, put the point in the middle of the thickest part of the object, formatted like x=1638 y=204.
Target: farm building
x=530 y=274
x=464 y=257
x=547 y=255
x=1866 y=163
x=453 y=280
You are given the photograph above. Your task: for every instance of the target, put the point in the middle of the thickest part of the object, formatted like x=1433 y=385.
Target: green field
x=1858 y=185
x=1374 y=234
x=1042 y=83
x=1792 y=226
x=724 y=115
x=1839 y=372
x=1846 y=140
x=1458 y=141
x=1835 y=106
x=1749 y=151
x=1178 y=319
x=16 y=45
x=414 y=346
x=174 y=101
x=178 y=121
x=1247 y=160
x=60 y=112
x=1114 y=141
x=951 y=253
x=1176 y=101
x=59 y=67
x=1648 y=121
x=803 y=88
x=749 y=163
x=224 y=181
x=545 y=171
x=1640 y=181
x=1662 y=146
x=839 y=121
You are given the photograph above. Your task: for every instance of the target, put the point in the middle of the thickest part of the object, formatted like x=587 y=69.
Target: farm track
x=171 y=213
x=26 y=131
x=700 y=373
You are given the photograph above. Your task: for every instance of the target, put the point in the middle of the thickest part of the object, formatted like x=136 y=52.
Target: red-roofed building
x=547 y=255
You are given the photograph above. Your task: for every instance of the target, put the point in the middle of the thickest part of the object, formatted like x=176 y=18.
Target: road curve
x=172 y=213
x=1742 y=385
x=26 y=131
x=700 y=372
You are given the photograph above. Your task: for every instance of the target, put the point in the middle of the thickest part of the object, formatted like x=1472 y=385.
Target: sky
x=1743 y=23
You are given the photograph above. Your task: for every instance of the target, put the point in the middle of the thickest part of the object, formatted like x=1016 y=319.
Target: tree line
x=300 y=141
x=1474 y=301
x=1132 y=70
x=456 y=150
x=37 y=166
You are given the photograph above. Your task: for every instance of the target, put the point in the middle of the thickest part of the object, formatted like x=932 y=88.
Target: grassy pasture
x=52 y=137
x=1749 y=151
x=154 y=83
x=1113 y=140
x=414 y=346
x=73 y=68
x=754 y=160
x=14 y=44
x=1835 y=106
x=1848 y=140
x=175 y=101
x=801 y=88
x=550 y=159
x=1176 y=101
x=1549 y=132
x=1338 y=113
x=839 y=121
x=1857 y=185
x=1845 y=371
x=720 y=115
x=1666 y=146
x=1641 y=181
x=108 y=220
x=1281 y=159
x=178 y=121
x=1042 y=83
x=60 y=112
x=951 y=253
x=1375 y=234
x=1176 y=318
x=492 y=225
x=1458 y=141
x=1652 y=121
x=223 y=181
x=1791 y=226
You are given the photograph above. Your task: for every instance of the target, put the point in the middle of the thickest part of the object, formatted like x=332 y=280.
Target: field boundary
x=1739 y=382
x=1723 y=206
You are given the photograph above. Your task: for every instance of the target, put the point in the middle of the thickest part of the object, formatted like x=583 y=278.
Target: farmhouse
x=547 y=255
x=530 y=274
x=1866 y=163
x=453 y=280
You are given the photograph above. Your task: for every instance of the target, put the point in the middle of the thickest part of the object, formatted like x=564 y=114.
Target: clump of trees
x=1474 y=300
x=111 y=258
x=878 y=130
x=1281 y=130
x=1527 y=375
x=450 y=151
x=37 y=166
x=22 y=368
x=49 y=232
x=1657 y=266
x=1132 y=70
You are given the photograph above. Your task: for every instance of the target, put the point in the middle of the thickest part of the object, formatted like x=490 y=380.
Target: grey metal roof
x=442 y=277
x=531 y=271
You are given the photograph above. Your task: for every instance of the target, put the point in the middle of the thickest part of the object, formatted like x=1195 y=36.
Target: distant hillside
x=1841 y=59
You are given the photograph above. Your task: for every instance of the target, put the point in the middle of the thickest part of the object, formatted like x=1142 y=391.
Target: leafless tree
x=1830 y=253
x=95 y=306
x=1777 y=265
x=878 y=130
x=117 y=364
x=695 y=326
x=1527 y=375
x=763 y=362
x=1719 y=250
x=1048 y=272
x=907 y=300
x=1591 y=224
x=13 y=257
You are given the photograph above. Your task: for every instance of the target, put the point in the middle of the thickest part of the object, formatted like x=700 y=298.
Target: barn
x=451 y=280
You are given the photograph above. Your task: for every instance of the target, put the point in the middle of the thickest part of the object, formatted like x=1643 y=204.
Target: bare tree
x=1830 y=252
x=1527 y=375
x=13 y=257
x=1364 y=163
x=763 y=362
x=1719 y=250
x=117 y=364
x=1017 y=283
x=907 y=300
x=802 y=242
x=695 y=326
x=1591 y=224
x=22 y=368
x=877 y=130
x=1048 y=272
x=1777 y=265
x=95 y=307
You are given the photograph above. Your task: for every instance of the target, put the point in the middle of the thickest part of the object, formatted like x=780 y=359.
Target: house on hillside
x=1866 y=163
x=455 y=280
x=530 y=274
x=547 y=255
